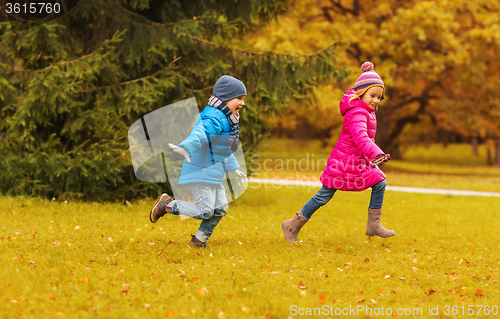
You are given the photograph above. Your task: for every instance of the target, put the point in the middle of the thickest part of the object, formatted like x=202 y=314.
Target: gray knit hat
x=227 y=88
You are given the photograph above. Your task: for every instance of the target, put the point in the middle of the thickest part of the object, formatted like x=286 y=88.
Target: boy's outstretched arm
x=181 y=151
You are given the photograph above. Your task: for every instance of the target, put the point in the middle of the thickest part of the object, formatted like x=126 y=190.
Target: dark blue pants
x=324 y=195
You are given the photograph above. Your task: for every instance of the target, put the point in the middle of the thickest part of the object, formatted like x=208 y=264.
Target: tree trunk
x=474 y=143
x=497 y=152
x=489 y=160
x=428 y=140
x=444 y=138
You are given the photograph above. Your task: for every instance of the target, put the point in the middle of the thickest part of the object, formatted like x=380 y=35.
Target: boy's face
x=373 y=96
x=236 y=104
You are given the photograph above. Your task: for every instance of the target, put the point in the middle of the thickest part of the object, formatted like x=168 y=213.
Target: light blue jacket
x=209 y=150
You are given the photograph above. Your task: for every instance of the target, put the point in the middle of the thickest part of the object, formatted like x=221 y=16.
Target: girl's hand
x=181 y=151
x=381 y=159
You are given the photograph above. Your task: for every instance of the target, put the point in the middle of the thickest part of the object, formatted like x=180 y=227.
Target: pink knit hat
x=368 y=79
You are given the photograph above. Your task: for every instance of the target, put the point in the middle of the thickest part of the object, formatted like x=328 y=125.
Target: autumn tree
x=437 y=58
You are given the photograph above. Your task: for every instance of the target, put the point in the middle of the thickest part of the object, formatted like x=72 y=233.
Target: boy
x=207 y=153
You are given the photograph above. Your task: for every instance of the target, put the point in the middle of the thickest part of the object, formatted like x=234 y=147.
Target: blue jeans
x=210 y=206
x=325 y=194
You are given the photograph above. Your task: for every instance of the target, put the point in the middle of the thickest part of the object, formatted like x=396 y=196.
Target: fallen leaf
x=322 y=299
x=453 y=276
x=302 y=285
x=470 y=244
x=221 y=315
x=339 y=250
x=374 y=255
x=195 y=278
x=367 y=260
x=170 y=313
x=380 y=289
x=393 y=292
x=202 y=291
x=245 y=309
x=85 y=280
x=431 y=291
x=361 y=300
x=479 y=293
x=151 y=244
x=126 y=288
x=373 y=301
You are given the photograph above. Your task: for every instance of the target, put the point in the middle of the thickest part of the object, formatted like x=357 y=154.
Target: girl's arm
x=358 y=128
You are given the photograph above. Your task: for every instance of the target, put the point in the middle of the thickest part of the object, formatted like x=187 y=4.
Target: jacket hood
x=345 y=105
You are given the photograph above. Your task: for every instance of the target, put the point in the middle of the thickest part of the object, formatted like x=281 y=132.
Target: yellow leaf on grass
x=170 y=313
x=126 y=288
x=202 y=291
x=479 y=293
x=453 y=276
x=302 y=285
x=195 y=278
x=85 y=280
x=322 y=299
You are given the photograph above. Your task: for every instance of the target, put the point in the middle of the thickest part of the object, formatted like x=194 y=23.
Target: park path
x=282 y=181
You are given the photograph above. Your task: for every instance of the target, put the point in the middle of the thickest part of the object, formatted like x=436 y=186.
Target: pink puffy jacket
x=349 y=165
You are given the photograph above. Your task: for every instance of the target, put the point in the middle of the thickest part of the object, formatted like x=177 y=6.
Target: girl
x=352 y=165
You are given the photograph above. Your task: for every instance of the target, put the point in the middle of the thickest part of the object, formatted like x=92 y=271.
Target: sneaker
x=160 y=208
x=195 y=242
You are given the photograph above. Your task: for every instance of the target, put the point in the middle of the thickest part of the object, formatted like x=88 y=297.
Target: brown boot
x=374 y=226
x=292 y=227
x=195 y=242
x=160 y=208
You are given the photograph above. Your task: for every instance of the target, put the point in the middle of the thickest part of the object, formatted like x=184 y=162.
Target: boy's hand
x=181 y=151
x=381 y=159
x=239 y=173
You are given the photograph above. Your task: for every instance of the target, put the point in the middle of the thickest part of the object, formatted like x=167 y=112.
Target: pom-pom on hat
x=227 y=88
x=368 y=79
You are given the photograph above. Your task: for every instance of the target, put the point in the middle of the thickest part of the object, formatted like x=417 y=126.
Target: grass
x=93 y=260
x=436 y=167
x=74 y=260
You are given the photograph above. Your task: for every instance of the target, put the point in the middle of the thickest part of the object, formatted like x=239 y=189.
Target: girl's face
x=373 y=96
x=236 y=104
